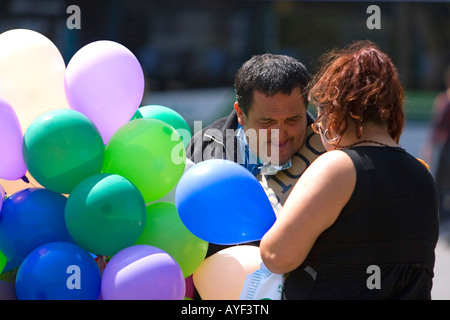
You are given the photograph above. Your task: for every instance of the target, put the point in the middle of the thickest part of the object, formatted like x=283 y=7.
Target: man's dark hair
x=269 y=74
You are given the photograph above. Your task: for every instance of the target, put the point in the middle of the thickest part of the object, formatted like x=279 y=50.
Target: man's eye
x=293 y=120
x=296 y=118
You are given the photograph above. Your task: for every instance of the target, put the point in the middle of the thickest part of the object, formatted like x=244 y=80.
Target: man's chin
x=276 y=161
x=279 y=159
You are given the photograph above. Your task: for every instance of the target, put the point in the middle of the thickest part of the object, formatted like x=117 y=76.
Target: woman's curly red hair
x=359 y=84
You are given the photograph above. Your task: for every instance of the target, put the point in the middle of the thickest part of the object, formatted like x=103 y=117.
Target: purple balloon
x=143 y=272
x=12 y=166
x=2 y=196
x=105 y=82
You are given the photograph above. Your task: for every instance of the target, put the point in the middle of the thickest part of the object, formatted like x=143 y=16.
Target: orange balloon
x=222 y=275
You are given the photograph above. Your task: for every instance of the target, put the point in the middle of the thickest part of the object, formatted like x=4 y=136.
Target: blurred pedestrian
x=437 y=149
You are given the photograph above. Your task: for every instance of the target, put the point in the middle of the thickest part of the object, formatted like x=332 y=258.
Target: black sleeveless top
x=382 y=244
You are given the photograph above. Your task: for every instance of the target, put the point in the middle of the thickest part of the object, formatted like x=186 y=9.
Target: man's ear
x=240 y=114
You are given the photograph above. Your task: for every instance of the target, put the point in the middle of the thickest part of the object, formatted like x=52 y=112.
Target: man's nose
x=280 y=132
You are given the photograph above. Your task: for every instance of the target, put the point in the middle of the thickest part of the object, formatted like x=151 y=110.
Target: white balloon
x=31 y=74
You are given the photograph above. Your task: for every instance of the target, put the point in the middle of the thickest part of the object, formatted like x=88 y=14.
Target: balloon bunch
x=110 y=179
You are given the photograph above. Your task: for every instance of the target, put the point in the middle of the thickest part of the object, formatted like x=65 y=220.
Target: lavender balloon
x=105 y=82
x=2 y=198
x=12 y=166
x=143 y=272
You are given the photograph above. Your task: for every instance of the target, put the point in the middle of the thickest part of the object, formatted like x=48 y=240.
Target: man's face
x=283 y=116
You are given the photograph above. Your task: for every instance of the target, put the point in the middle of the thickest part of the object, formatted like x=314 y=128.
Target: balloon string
x=101 y=262
x=26 y=180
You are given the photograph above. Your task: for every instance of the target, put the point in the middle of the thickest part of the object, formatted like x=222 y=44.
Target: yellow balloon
x=31 y=74
x=13 y=186
x=222 y=275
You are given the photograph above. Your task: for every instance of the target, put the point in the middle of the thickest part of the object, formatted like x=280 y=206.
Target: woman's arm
x=313 y=205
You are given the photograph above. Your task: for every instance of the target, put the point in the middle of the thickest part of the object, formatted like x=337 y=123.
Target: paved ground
x=412 y=140
x=441 y=284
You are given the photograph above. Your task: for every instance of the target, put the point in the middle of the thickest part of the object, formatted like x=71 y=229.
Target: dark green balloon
x=61 y=148
x=105 y=213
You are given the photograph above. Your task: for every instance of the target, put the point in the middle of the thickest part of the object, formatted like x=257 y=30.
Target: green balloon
x=165 y=230
x=169 y=116
x=2 y=262
x=105 y=213
x=61 y=148
x=149 y=153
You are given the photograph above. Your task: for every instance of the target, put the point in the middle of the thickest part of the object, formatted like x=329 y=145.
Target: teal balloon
x=61 y=148
x=136 y=115
x=170 y=117
x=105 y=213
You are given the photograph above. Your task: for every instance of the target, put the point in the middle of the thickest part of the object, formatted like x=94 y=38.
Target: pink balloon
x=105 y=82
x=143 y=272
x=12 y=166
x=190 y=288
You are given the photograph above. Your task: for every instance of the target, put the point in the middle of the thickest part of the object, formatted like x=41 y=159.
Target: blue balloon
x=30 y=218
x=58 y=271
x=221 y=202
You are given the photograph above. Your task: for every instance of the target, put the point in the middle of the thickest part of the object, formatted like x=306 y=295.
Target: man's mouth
x=280 y=144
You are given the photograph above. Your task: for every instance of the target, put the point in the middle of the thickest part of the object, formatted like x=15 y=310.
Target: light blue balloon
x=221 y=202
x=58 y=271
